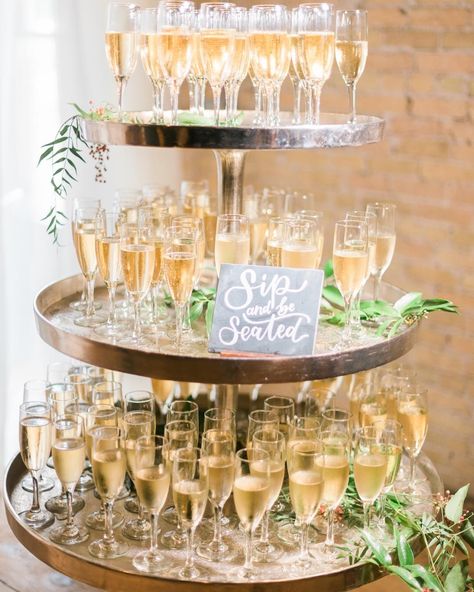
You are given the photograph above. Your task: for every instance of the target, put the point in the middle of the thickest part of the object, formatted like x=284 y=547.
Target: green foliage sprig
x=202 y=306
x=409 y=309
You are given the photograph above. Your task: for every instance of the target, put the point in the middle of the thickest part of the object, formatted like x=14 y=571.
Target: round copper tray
x=333 y=132
x=118 y=575
x=56 y=326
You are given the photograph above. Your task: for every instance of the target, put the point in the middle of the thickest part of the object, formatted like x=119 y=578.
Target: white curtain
x=51 y=53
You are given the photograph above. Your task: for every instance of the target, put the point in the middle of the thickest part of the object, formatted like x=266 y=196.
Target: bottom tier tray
x=119 y=575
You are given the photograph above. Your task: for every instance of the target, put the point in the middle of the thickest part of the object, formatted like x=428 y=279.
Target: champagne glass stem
x=121 y=84
x=258 y=104
x=304 y=542
x=235 y=99
x=154 y=533
x=35 y=506
x=202 y=96
x=112 y=312
x=90 y=297
x=217 y=538
x=228 y=101
x=316 y=90
x=180 y=310
x=309 y=103
x=158 y=101
x=367 y=506
x=348 y=306
x=355 y=315
x=174 y=94
x=377 y=282
x=330 y=530
x=192 y=94
x=216 y=95
x=264 y=535
x=136 y=319
x=296 y=100
x=155 y=292
x=108 y=526
x=70 y=517
x=189 y=563
x=276 y=104
x=382 y=500
x=412 y=472
x=248 y=565
x=351 y=87
x=268 y=115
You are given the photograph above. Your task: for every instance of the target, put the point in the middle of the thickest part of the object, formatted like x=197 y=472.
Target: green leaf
x=81 y=112
x=404 y=551
x=196 y=311
x=210 y=315
x=406 y=576
x=384 y=327
x=378 y=307
x=54 y=142
x=378 y=550
x=395 y=327
x=337 y=319
x=45 y=154
x=332 y=294
x=48 y=214
x=76 y=153
x=431 y=581
x=407 y=300
x=468 y=532
x=456 y=578
x=328 y=269
x=454 y=507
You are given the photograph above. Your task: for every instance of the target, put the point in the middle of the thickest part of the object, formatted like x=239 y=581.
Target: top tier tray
x=333 y=132
x=55 y=321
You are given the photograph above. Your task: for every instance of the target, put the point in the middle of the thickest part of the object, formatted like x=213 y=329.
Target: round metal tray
x=55 y=321
x=118 y=575
x=333 y=132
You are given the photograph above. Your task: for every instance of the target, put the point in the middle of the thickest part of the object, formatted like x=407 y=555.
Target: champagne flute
x=217 y=46
x=336 y=419
x=350 y=260
x=152 y=480
x=372 y=408
x=56 y=372
x=35 y=447
x=109 y=465
x=84 y=223
x=69 y=453
x=179 y=434
x=276 y=227
x=371 y=220
x=140 y=400
x=220 y=418
x=190 y=491
x=301 y=244
x=184 y=411
x=163 y=391
x=272 y=442
x=303 y=429
x=97 y=374
x=251 y=493
x=135 y=425
x=306 y=480
x=108 y=392
x=138 y=261
x=297 y=201
x=295 y=72
x=99 y=416
x=36 y=390
x=318 y=218
x=284 y=407
x=270 y=53
x=315 y=50
x=336 y=448
x=261 y=420
x=180 y=257
x=351 y=51
x=107 y=247
x=385 y=240
x=370 y=468
x=232 y=243
x=175 y=46
x=150 y=58
x=240 y=64
x=217 y=447
x=413 y=416
x=81 y=382
x=317 y=401
x=391 y=433
x=121 y=44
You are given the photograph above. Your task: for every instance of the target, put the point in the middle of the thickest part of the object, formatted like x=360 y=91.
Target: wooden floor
x=22 y=572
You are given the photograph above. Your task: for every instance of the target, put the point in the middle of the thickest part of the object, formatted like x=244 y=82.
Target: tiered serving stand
x=56 y=327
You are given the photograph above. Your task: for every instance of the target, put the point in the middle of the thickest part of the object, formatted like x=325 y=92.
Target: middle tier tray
x=55 y=320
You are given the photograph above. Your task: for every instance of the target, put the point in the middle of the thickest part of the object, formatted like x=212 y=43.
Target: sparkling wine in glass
x=385 y=241
x=270 y=53
x=35 y=447
x=152 y=480
x=232 y=244
x=351 y=51
x=240 y=64
x=121 y=44
x=302 y=245
x=149 y=43
x=315 y=50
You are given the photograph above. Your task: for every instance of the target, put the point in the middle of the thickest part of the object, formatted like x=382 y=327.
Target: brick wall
x=419 y=77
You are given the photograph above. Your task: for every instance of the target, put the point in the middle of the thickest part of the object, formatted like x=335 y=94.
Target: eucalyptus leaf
x=404 y=551
x=332 y=294
x=429 y=579
x=378 y=307
x=454 y=507
x=196 y=311
x=378 y=550
x=328 y=269
x=210 y=315
x=407 y=300
x=456 y=578
x=468 y=532
x=406 y=576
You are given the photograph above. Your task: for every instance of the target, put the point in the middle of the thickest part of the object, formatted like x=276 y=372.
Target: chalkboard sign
x=268 y=310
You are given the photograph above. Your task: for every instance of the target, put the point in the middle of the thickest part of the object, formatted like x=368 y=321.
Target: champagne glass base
x=228 y=525
x=69 y=535
x=122 y=494
x=81 y=305
x=106 y=550
x=174 y=540
x=131 y=504
x=58 y=505
x=91 y=322
x=267 y=552
x=37 y=520
x=137 y=530
x=190 y=573
x=44 y=484
x=96 y=520
x=85 y=483
x=327 y=555
x=110 y=330
x=150 y=562
x=170 y=516
x=213 y=551
x=289 y=534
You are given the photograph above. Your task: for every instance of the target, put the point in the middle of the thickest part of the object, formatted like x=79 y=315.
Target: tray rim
x=64 y=560
x=210 y=370
x=367 y=130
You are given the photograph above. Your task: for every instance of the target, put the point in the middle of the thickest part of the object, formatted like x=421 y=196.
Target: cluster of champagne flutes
x=199 y=459
x=221 y=43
